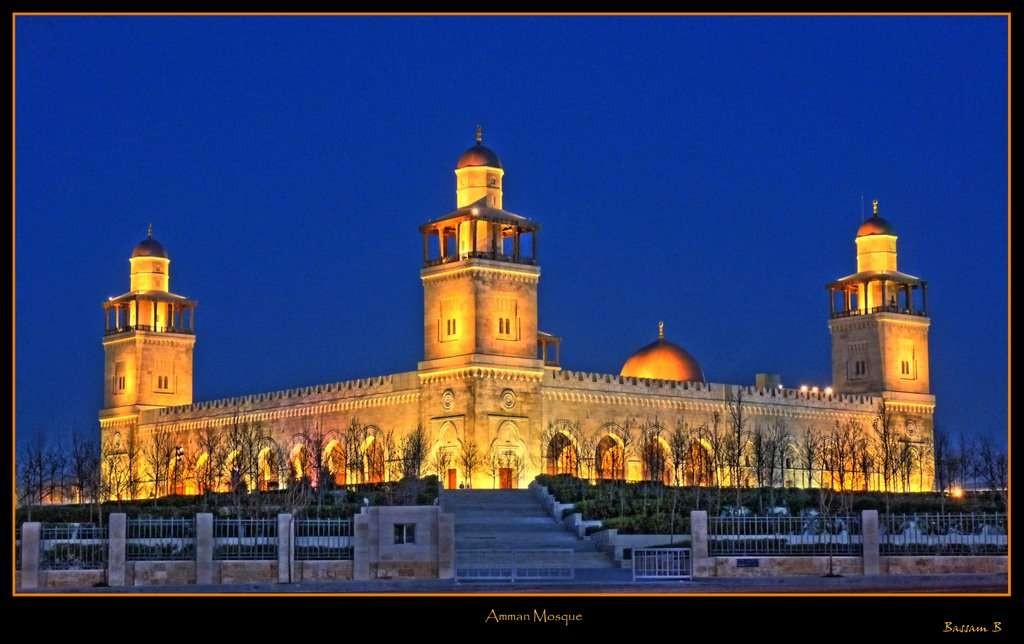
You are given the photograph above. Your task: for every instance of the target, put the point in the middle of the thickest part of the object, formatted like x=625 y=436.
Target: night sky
x=703 y=171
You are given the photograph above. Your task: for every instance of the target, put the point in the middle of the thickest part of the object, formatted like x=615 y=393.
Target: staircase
x=513 y=520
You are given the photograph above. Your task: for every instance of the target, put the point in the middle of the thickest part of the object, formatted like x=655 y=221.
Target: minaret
x=148 y=340
x=479 y=283
x=879 y=319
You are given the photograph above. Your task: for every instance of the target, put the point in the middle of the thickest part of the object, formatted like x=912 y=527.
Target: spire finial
x=661 y=330
x=874 y=208
x=479 y=134
x=149 y=232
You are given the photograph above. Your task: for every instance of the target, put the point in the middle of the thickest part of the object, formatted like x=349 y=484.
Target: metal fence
x=942 y=534
x=245 y=539
x=161 y=539
x=515 y=565
x=784 y=536
x=661 y=563
x=72 y=546
x=323 y=539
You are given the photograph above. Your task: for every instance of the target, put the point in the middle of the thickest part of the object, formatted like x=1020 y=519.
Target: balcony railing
x=148 y=327
x=888 y=308
x=498 y=257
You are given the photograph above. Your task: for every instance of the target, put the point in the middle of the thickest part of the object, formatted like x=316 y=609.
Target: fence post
x=117 y=537
x=30 y=555
x=869 y=542
x=204 y=548
x=284 y=548
x=364 y=543
x=703 y=566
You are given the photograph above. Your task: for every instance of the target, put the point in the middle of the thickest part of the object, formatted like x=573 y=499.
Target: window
x=450 y=328
x=858 y=364
x=405 y=533
x=507 y=310
x=120 y=383
x=163 y=382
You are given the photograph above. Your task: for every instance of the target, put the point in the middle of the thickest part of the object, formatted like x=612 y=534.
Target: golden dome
x=662 y=360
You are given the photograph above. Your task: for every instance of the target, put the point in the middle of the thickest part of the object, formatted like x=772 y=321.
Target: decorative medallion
x=448 y=400
x=508 y=399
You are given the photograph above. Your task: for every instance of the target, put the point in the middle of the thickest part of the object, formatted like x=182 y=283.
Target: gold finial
x=661 y=330
x=479 y=134
x=149 y=232
x=874 y=208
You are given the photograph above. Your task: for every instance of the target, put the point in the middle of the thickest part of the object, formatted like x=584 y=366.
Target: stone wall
x=378 y=555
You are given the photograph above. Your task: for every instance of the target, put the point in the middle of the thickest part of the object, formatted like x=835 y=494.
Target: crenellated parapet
x=336 y=396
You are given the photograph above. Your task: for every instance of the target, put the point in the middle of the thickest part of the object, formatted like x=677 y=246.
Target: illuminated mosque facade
x=491 y=381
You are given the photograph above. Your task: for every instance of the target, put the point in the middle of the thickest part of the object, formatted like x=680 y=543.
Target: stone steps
x=510 y=520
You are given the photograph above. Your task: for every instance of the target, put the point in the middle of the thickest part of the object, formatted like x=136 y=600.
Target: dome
x=149 y=247
x=662 y=360
x=478 y=155
x=876 y=226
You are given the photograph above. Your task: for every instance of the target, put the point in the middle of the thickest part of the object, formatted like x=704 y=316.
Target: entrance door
x=506 y=477
x=452 y=482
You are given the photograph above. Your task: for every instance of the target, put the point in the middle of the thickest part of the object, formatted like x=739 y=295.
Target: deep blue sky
x=704 y=171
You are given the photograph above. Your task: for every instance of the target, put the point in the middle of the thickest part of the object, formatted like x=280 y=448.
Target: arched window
x=609 y=461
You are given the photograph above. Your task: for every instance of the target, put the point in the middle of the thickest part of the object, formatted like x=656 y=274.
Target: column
x=426 y=247
x=495 y=238
x=445 y=545
x=472 y=233
x=515 y=244
x=864 y=304
x=924 y=298
x=364 y=542
x=701 y=564
x=869 y=542
x=440 y=239
x=848 y=297
x=458 y=240
x=831 y=302
x=30 y=555
x=117 y=533
x=204 y=548
x=136 y=300
x=284 y=548
x=908 y=296
x=885 y=302
x=534 y=246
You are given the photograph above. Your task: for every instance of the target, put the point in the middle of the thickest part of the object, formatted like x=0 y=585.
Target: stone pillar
x=426 y=248
x=703 y=566
x=204 y=548
x=924 y=298
x=869 y=542
x=445 y=545
x=364 y=541
x=284 y=548
x=30 y=555
x=831 y=302
x=117 y=536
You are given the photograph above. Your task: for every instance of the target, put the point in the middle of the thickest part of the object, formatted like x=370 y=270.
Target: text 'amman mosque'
x=491 y=379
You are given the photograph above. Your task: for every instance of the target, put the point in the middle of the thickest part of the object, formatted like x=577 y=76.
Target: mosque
x=491 y=382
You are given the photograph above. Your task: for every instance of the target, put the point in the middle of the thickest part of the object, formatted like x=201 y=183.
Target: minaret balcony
x=497 y=257
x=889 y=308
x=148 y=328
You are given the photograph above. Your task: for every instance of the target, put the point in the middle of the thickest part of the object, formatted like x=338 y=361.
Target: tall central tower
x=480 y=376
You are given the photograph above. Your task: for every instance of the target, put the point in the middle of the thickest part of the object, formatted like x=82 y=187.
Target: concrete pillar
x=284 y=548
x=30 y=555
x=445 y=545
x=703 y=566
x=204 y=548
x=117 y=537
x=362 y=526
x=869 y=542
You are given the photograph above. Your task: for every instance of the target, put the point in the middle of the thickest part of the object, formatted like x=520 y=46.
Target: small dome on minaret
x=150 y=247
x=479 y=155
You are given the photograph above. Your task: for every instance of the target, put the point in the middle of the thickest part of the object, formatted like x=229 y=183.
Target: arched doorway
x=374 y=462
x=267 y=477
x=562 y=456
x=655 y=463
x=334 y=460
x=609 y=460
x=699 y=468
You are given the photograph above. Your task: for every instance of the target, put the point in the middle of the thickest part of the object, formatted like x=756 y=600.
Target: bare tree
x=32 y=475
x=966 y=460
x=809 y=448
x=776 y=442
x=209 y=460
x=248 y=444
x=315 y=438
x=652 y=455
x=713 y=434
x=471 y=459
x=737 y=437
x=887 y=445
x=354 y=439
x=83 y=463
x=994 y=470
x=158 y=452
x=414 y=454
x=440 y=463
